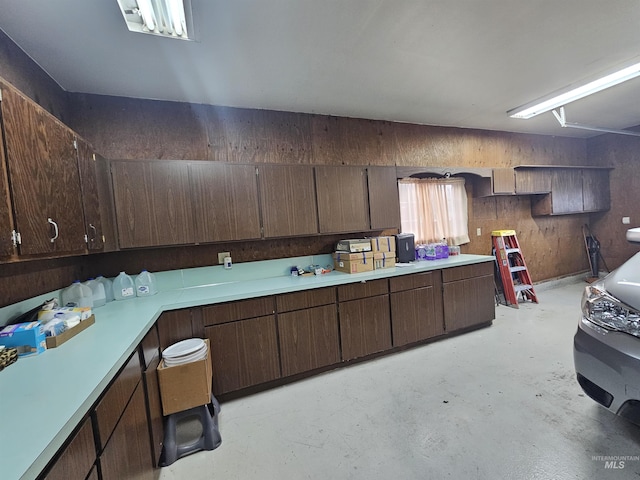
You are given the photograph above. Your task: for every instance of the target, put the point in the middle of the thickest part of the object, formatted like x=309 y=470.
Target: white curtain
x=433 y=209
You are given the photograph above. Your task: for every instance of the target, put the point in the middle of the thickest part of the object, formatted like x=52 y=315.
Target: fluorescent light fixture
x=548 y=103
x=169 y=18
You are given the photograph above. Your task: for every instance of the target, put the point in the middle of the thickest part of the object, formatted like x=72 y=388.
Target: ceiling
x=460 y=63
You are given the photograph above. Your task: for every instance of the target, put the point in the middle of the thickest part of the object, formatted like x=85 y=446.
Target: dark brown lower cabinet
x=154 y=410
x=468 y=296
x=308 y=339
x=243 y=353
x=365 y=326
x=77 y=459
x=416 y=307
x=127 y=454
x=414 y=317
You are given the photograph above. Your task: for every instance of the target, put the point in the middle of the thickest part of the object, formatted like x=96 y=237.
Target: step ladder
x=514 y=274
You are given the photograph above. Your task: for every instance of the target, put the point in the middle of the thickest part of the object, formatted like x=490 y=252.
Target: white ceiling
x=460 y=63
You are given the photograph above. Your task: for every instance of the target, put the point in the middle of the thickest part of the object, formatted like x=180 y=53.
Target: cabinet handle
x=55 y=228
x=95 y=232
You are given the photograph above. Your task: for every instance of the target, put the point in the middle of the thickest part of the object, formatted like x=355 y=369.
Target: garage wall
x=623 y=153
x=137 y=129
x=143 y=129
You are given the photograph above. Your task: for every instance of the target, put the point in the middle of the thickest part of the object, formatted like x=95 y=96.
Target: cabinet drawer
x=467 y=271
x=410 y=282
x=353 y=291
x=116 y=398
x=232 y=311
x=306 y=299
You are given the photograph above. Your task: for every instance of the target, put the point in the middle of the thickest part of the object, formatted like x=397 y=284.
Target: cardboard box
x=353 y=262
x=383 y=244
x=29 y=338
x=185 y=386
x=384 y=260
x=53 y=342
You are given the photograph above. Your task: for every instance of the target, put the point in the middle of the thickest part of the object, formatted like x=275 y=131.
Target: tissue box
x=185 y=386
x=353 y=262
x=29 y=338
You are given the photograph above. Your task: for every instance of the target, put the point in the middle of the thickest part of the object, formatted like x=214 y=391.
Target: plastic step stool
x=209 y=440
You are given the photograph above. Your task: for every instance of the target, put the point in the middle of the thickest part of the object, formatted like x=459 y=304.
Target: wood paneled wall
x=23 y=73
x=122 y=128
x=622 y=153
x=143 y=129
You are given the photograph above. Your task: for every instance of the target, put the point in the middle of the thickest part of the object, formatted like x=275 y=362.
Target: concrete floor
x=501 y=402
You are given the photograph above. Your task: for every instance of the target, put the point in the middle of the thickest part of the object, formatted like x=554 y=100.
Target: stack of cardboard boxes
x=365 y=254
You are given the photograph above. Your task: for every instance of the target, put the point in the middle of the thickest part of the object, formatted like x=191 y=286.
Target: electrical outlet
x=626 y=220
x=479 y=232
x=221 y=256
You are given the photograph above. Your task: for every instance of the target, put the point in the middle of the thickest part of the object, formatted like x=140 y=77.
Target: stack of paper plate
x=190 y=350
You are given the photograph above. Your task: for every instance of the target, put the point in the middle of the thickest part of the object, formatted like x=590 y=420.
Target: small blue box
x=29 y=338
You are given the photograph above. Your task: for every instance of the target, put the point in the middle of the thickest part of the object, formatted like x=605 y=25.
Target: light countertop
x=43 y=398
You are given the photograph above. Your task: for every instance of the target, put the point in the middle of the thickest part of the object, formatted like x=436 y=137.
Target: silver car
x=606 y=347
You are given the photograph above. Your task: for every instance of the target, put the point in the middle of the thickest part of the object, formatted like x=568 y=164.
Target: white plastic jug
x=79 y=294
x=108 y=287
x=146 y=284
x=123 y=287
x=98 y=294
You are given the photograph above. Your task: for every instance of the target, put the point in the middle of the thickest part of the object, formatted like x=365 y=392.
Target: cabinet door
x=174 y=326
x=153 y=203
x=308 y=339
x=416 y=307
x=107 y=211
x=6 y=219
x=77 y=458
x=127 y=455
x=287 y=200
x=566 y=188
x=90 y=197
x=532 y=180
x=342 y=199
x=225 y=201
x=468 y=302
x=384 y=204
x=115 y=398
x=596 y=195
x=365 y=326
x=154 y=409
x=243 y=353
x=43 y=174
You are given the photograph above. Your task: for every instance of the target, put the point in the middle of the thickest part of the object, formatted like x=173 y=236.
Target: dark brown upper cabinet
x=574 y=190
x=342 y=199
x=7 y=248
x=107 y=211
x=287 y=200
x=596 y=192
x=532 y=180
x=152 y=202
x=384 y=205
x=90 y=197
x=225 y=201
x=43 y=177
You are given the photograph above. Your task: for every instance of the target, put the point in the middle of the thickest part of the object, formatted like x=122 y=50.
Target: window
x=433 y=209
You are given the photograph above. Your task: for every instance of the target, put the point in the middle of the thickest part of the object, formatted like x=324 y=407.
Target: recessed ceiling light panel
x=167 y=18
